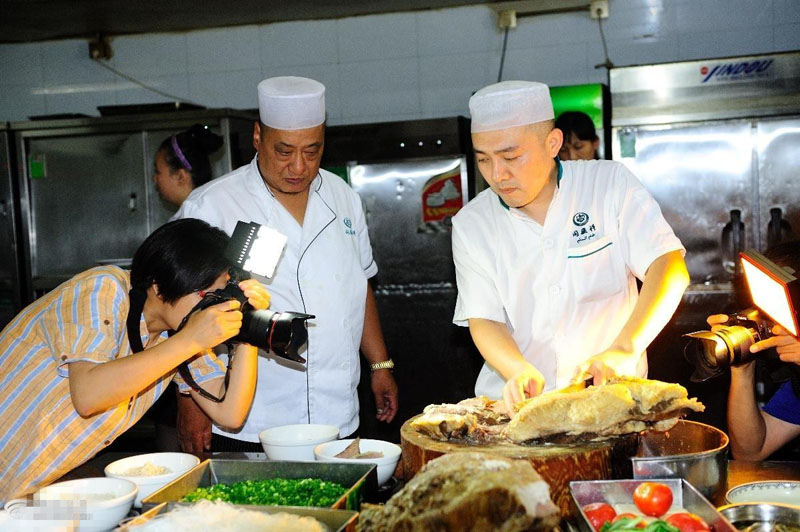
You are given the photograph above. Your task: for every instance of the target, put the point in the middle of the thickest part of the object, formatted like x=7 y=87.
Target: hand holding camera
x=213 y=326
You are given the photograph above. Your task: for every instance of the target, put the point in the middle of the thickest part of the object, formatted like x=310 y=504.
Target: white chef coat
x=564 y=289
x=323 y=271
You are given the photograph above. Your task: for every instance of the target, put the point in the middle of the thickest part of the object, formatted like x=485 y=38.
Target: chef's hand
x=787 y=346
x=529 y=382
x=256 y=294
x=603 y=366
x=385 y=390
x=193 y=425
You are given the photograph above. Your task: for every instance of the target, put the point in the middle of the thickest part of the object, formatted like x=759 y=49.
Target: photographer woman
x=182 y=164
x=72 y=382
x=755 y=433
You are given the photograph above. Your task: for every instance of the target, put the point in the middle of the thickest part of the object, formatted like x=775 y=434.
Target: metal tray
x=361 y=480
x=335 y=520
x=621 y=492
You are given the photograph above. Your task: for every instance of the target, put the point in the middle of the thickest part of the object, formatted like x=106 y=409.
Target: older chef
x=323 y=270
x=546 y=260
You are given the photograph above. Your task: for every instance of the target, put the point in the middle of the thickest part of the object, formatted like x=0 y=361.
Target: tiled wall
x=388 y=67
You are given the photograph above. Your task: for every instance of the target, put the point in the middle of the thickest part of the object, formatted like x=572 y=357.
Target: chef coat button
x=338 y=278
x=555 y=290
x=548 y=243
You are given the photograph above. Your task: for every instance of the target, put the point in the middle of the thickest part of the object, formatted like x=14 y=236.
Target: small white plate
x=774 y=491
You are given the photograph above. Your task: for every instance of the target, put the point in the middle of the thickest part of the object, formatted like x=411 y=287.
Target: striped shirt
x=42 y=436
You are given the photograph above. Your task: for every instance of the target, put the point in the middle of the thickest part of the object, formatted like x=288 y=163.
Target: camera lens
x=713 y=351
x=283 y=333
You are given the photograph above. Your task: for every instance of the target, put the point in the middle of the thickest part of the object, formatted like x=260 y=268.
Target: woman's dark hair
x=190 y=150
x=180 y=257
x=577 y=122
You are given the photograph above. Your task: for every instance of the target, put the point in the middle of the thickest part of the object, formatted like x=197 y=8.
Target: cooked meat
x=469 y=419
x=470 y=492
x=353 y=450
x=621 y=406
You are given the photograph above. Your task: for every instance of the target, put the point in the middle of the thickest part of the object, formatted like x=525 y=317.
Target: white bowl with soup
x=368 y=452
x=151 y=471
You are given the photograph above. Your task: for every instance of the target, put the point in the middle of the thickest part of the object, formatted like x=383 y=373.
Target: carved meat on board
x=624 y=405
x=470 y=492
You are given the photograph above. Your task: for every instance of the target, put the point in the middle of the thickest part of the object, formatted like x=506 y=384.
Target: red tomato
x=653 y=498
x=599 y=513
x=686 y=522
x=619 y=517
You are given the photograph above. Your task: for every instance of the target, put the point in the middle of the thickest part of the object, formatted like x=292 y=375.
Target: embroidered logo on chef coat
x=582 y=232
x=348 y=227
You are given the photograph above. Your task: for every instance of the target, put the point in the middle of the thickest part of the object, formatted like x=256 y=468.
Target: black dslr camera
x=775 y=292
x=282 y=333
x=712 y=352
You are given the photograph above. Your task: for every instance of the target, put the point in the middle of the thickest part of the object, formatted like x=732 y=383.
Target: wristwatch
x=386 y=364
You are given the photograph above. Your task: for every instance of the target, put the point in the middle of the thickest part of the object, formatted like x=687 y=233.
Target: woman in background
x=182 y=164
x=580 y=138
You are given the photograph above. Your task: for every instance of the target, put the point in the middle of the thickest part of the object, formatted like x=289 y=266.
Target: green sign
x=587 y=98
x=341 y=171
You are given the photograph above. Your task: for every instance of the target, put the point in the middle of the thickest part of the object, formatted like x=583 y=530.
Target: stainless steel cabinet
x=86 y=191
x=10 y=281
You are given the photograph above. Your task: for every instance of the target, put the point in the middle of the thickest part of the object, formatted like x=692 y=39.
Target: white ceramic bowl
x=295 y=442
x=177 y=463
x=326 y=452
x=97 y=504
x=774 y=491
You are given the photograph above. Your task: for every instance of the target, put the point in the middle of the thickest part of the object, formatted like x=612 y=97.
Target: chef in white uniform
x=547 y=258
x=323 y=271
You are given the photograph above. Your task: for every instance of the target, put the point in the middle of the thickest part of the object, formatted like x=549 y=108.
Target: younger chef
x=547 y=259
x=72 y=381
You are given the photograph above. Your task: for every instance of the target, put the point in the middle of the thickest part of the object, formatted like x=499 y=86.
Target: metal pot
x=693 y=451
x=761 y=516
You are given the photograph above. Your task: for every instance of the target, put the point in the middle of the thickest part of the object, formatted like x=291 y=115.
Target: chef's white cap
x=510 y=104
x=289 y=102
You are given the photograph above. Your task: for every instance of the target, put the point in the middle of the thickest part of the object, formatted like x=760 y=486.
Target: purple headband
x=179 y=153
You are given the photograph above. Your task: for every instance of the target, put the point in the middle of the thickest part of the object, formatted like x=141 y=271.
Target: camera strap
x=132 y=322
x=137 y=299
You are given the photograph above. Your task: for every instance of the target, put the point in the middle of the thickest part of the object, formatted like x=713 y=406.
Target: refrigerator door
x=699 y=174
x=10 y=292
x=88 y=202
x=408 y=207
x=778 y=183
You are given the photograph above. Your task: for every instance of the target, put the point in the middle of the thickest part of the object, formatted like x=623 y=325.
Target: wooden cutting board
x=557 y=464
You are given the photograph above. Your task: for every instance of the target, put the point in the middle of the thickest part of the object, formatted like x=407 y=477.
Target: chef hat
x=510 y=104
x=289 y=102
